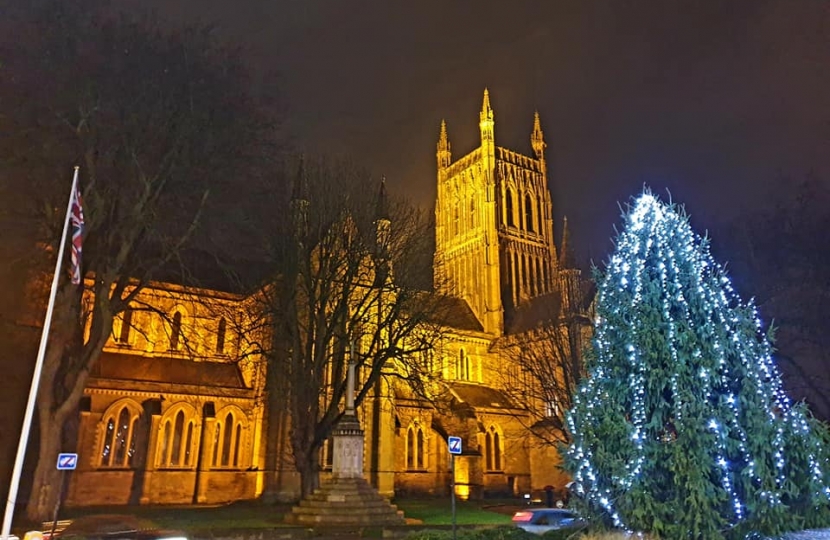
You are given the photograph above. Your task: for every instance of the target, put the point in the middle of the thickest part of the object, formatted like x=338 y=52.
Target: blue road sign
x=67 y=462
x=454 y=444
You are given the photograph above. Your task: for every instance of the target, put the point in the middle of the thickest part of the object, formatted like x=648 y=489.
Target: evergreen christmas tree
x=682 y=427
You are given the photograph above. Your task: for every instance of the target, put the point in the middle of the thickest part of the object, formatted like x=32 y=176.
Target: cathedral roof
x=479 y=396
x=168 y=370
x=454 y=313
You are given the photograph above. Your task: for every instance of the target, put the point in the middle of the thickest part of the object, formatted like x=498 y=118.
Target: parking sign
x=454 y=444
x=67 y=462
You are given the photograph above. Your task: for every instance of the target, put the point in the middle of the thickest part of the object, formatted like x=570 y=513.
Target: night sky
x=715 y=101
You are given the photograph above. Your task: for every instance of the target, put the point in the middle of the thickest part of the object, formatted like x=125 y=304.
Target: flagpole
x=30 y=406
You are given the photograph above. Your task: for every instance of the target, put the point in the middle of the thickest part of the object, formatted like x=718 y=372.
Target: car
x=542 y=520
x=116 y=527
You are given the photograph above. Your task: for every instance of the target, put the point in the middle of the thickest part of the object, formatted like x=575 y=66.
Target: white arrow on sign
x=454 y=444
x=67 y=462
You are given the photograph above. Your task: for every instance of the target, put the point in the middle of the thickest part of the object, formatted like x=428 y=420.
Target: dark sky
x=712 y=100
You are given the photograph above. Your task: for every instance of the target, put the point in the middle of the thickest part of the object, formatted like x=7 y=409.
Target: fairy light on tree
x=683 y=428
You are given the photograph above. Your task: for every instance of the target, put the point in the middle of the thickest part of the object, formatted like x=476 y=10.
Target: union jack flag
x=76 y=219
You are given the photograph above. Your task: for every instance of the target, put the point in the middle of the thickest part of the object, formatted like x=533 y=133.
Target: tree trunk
x=46 y=483
x=309 y=473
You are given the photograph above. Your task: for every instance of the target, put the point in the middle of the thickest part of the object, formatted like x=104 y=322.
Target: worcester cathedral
x=165 y=423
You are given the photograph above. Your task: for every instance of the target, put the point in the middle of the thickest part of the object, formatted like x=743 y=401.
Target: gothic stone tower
x=494 y=224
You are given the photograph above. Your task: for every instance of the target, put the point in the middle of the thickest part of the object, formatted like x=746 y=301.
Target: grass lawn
x=439 y=512
x=255 y=515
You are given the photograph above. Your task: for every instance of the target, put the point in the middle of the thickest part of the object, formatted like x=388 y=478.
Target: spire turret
x=486 y=121
x=567 y=259
x=382 y=222
x=443 y=153
x=537 y=138
x=300 y=201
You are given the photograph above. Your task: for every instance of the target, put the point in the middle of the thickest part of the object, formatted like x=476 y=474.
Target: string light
x=676 y=348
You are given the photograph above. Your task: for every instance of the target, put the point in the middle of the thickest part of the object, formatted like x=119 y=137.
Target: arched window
x=120 y=426
x=123 y=336
x=529 y=222
x=472 y=212
x=177 y=435
x=415 y=451
x=456 y=227
x=508 y=208
x=220 y=336
x=492 y=450
x=227 y=441
x=462 y=367
x=176 y=331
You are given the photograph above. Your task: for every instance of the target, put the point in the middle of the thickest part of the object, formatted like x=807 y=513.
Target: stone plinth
x=345 y=501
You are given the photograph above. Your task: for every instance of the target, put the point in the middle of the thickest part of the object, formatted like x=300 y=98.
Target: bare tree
x=349 y=271
x=781 y=254
x=156 y=122
x=545 y=355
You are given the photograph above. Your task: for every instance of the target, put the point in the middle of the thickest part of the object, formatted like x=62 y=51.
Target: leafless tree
x=546 y=356
x=156 y=121
x=781 y=255
x=350 y=266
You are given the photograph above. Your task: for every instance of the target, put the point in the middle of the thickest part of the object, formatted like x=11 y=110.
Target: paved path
x=816 y=534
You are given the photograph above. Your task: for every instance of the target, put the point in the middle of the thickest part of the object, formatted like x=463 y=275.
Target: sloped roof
x=175 y=371
x=451 y=312
x=480 y=396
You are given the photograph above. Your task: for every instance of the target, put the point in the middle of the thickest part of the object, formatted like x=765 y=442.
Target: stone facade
x=174 y=412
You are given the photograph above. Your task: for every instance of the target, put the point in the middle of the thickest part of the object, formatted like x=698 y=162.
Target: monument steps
x=346 y=501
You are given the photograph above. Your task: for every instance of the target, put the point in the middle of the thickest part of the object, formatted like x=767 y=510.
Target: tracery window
x=177 y=440
x=120 y=425
x=529 y=218
x=415 y=451
x=462 y=366
x=511 y=222
x=220 y=336
x=176 y=331
x=126 y=322
x=493 y=449
x=227 y=441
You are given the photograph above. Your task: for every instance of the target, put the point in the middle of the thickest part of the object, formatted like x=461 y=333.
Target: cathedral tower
x=494 y=224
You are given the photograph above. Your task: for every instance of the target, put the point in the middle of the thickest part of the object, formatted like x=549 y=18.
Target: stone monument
x=347 y=499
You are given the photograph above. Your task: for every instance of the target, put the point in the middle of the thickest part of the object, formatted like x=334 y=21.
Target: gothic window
x=176 y=331
x=220 y=336
x=123 y=336
x=462 y=367
x=472 y=212
x=428 y=361
x=511 y=221
x=492 y=450
x=456 y=229
x=227 y=441
x=120 y=425
x=176 y=448
x=529 y=220
x=415 y=451
x=552 y=409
